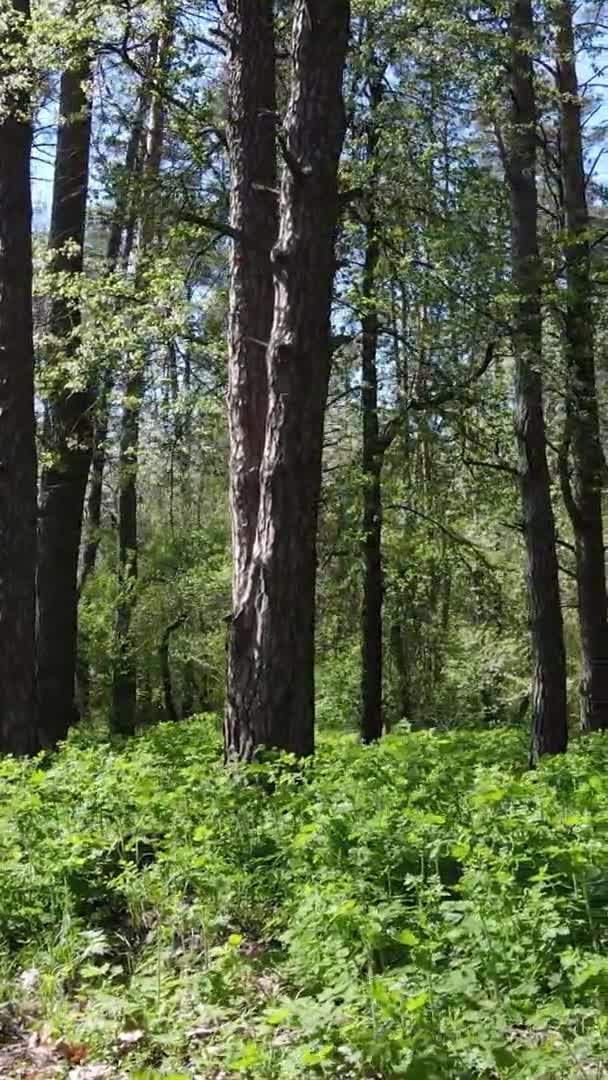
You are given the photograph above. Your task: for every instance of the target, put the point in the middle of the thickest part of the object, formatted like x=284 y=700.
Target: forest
x=303 y=597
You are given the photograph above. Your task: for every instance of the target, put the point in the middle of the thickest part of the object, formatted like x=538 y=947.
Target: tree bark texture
x=584 y=500
x=270 y=691
x=549 y=714
x=68 y=418
x=19 y=733
x=254 y=215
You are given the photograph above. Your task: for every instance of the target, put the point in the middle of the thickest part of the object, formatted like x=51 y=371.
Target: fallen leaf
x=72 y=1052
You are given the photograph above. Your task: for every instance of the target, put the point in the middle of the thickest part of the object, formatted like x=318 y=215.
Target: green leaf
x=417 y=1002
x=406 y=937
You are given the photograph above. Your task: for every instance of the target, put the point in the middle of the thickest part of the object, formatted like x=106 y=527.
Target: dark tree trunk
x=254 y=214
x=165 y=667
x=584 y=499
x=19 y=733
x=270 y=693
x=124 y=682
x=190 y=691
x=549 y=714
x=373 y=456
x=68 y=419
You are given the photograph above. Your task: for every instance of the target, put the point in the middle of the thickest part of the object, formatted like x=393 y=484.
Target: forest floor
x=426 y=908
x=35 y=1056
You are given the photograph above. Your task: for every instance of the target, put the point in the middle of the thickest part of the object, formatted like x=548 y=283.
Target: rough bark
x=270 y=692
x=549 y=715
x=19 y=732
x=584 y=503
x=372 y=460
x=68 y=418
x=254 y=215
x=124 y=682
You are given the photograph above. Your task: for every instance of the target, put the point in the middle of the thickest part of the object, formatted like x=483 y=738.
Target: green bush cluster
x=422 y=908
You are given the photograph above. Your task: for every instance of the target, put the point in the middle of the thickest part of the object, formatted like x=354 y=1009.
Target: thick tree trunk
x=19 y=732
x=549 y=715
x=124 y=682
x=254 y=215
x=584 y=503
x=68 y=419
x=373 y=456
x=270 y=693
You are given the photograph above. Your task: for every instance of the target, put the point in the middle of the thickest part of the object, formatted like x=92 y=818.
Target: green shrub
x=422 y=908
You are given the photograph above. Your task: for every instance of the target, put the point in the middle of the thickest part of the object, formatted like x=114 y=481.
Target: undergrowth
x=424 y=908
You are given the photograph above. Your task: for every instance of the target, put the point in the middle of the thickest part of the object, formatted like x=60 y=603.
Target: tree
x=68 y=426
x=549 y=716
x=121 y=228
x=583 y=498
x=124 y=683
x=373 y=447
x=270 y=687
x=254 y=219
x=19 y=733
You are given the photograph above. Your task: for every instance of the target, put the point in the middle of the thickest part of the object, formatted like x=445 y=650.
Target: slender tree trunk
x=254 y=214
x=19 y=733
x=165 y=667
x=68 y=418
x=123 y=212
x=584 y=500
x=95 y=495
x=402 y=670
x=373 y=457
x=270 y=693
x=124 y=683
x=549 y=715
x=190 y=691
x=117 y=251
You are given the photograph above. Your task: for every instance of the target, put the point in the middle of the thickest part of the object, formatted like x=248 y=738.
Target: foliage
x=284 y=921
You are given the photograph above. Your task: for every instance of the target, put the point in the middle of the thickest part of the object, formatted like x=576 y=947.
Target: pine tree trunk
x=254 y=214
x=585 y=503
x=68 y=419
x=124 y=682
x=270 y=692
x=373 y=456
x=19 y=733
x=549 y=715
